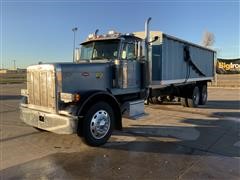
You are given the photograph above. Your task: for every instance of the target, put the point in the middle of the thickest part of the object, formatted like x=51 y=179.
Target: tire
x=203 y=95
x=155 y=100
x=171 y=98
x=98 y=124
x=184 y=102
x=193 y=101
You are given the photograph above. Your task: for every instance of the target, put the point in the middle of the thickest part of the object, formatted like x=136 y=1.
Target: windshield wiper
x=99 y=58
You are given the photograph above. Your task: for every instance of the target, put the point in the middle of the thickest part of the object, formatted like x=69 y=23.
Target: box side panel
x=203 y=59
x=175 y=69
x=173 y=64
x=156 y=62
x=168 y=65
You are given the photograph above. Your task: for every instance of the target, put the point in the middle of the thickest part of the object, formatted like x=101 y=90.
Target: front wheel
x=98 y=124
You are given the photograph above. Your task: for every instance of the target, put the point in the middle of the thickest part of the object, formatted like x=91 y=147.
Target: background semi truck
x=113 y=77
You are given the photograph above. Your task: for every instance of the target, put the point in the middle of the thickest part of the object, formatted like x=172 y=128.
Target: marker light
x=69 y=97
x=90 y=36
x=111 y=32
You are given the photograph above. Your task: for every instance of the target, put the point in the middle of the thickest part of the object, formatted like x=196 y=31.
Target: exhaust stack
x=149 y=62
x=147 y=35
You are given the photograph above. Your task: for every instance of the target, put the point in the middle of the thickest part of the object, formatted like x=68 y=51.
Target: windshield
x=100 y=50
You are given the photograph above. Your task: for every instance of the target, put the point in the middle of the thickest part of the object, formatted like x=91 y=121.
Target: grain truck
x=115 y=74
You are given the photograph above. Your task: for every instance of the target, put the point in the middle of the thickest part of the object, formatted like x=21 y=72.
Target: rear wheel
x=184 y=102
x=203 y=95
x=193 y=101
x=98 y=124
x=155 y=100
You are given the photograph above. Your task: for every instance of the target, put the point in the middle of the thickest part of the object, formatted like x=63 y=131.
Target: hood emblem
x=85 y=74
x=99 y=75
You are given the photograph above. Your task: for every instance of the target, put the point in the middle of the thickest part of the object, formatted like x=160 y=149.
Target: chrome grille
x=41 y=86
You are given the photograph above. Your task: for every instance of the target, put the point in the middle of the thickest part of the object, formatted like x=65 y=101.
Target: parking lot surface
x=170 y=142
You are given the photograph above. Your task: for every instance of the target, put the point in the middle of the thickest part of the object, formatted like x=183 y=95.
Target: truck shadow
x=199 y=136
x=140 y=146
x=227 y=114
x=222 y=105
x=210 y=104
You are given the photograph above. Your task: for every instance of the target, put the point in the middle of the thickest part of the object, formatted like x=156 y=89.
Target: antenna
x=96 y=32
x=74 y=43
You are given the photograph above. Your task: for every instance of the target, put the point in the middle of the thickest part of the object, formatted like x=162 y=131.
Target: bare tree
x=208 y=39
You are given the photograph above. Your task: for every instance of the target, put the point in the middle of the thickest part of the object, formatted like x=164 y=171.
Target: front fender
x=91 y=98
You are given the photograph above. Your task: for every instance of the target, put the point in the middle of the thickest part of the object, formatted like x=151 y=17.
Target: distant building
x=21 y=70
x=3 y=71
x=9 y=71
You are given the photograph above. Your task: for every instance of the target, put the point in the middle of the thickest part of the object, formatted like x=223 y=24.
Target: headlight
x=24 y=92
x=24 y=99
x=69 y=97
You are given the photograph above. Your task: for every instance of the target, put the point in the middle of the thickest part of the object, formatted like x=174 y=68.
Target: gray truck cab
x=89 y=96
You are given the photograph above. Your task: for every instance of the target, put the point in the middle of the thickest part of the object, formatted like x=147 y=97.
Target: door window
x=129 y=51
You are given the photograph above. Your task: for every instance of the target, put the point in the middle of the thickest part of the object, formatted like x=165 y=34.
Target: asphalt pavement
x=170 y=142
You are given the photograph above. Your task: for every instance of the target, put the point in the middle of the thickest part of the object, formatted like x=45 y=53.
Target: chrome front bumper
x=50 y=122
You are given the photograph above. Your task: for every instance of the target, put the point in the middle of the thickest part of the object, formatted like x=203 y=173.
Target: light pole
x=14 y=64
x=74 y=36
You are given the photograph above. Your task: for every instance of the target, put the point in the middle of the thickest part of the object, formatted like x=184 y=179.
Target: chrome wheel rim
x=100 y=124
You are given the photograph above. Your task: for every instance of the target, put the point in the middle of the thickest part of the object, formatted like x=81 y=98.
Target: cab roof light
x=129 y=34
x=112 y=32
x=90 y=36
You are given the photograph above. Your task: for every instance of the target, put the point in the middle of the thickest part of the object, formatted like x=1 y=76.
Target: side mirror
x=154 y=39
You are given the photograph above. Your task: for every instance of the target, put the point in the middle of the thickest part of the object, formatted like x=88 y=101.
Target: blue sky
x=33 y=31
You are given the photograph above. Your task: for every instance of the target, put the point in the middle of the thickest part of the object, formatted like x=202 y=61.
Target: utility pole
x=14 y=64
x=74 y=39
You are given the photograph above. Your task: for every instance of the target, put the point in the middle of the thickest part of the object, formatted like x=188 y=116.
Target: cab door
x=130 y=65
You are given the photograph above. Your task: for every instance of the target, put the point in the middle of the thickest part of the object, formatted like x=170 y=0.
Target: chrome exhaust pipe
x=149 y=61
x=147 y=35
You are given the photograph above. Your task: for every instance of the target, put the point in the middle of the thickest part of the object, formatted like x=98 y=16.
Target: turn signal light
x=68 y=97
x=77 y=97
